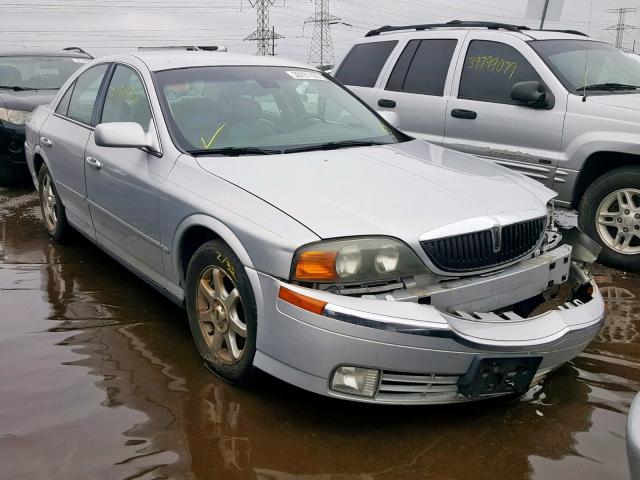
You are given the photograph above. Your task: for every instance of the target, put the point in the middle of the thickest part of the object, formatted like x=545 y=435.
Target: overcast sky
x=104 y=26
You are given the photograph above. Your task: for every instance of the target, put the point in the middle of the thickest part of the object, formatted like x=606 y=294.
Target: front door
x=122 y=183
x=482 y=119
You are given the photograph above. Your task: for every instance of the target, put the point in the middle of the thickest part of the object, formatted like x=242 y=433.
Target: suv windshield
x=247 y=110
x=595 y=65
x=37 y=73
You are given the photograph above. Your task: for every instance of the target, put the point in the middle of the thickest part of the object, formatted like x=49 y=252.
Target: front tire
x=222 y=312
x=53 y=212
x=610 y=214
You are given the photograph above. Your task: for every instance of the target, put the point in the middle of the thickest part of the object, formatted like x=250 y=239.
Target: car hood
x=27 y=100
x=404 y=190
x=629 y=101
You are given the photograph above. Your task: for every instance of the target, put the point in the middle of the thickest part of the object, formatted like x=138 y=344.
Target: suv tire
x=621 y=217
x=222 y=312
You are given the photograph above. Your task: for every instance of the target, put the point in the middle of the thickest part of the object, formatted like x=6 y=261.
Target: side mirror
x=532 y=94
x=126 y=135
x=391 y=118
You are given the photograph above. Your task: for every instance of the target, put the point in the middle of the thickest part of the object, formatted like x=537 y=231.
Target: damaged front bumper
x=417 y=351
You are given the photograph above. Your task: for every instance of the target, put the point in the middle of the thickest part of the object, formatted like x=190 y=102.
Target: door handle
x=94 y=163
x=466 y=114
x=384 y=103
x=46 y=142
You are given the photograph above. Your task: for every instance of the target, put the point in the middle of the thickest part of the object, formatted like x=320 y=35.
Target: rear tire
x=53 y=212
x=222 y=312
x=610 y=214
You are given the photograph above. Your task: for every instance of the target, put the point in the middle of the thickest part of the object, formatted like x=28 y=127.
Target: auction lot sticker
x=305 y=75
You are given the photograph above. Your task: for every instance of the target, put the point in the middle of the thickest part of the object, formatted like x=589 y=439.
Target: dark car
x=28 y=78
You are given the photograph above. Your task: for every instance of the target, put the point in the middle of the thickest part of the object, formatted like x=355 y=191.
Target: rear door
x=417 y=87
x=122 y=183
x=63 y=139
x=482 y=119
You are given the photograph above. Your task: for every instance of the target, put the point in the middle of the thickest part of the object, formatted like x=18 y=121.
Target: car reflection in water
x=142 y=406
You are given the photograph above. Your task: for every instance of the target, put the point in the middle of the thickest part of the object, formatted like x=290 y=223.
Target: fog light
x=355 y=380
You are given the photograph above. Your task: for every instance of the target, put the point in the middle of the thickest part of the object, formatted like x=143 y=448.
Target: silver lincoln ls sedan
x=306 y=236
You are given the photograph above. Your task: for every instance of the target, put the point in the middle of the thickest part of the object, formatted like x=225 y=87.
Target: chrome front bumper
x=420 y=350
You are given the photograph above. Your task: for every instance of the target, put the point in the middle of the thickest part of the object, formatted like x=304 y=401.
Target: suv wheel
x=610 y=214
x=53 y=212
x=222 y=312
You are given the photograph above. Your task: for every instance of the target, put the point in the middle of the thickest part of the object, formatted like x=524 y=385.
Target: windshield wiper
x=334 y=145
x=16 y=88
x=234 y=151
x=612 y=86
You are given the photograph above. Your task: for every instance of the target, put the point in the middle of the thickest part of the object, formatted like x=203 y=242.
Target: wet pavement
x=99 y=379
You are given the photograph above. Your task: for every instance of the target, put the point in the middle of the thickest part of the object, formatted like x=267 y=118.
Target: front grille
x=419 y=388
x=475 y=251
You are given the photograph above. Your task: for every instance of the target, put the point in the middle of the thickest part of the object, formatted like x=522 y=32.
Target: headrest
x=8 y=74
x=246 y=109
x=192 y=112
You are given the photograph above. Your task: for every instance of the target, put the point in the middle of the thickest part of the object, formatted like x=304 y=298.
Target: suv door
x=63 y=139
x=418 y=86
x=482 y=119
x=122 y=183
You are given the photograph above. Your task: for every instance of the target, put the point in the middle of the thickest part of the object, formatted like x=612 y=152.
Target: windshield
x=37 y=73
x=272 y=109
x=580 y=63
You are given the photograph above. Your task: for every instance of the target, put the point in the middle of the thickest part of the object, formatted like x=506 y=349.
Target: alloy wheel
x=618 y=221
x=49 y=203
x=221 y=315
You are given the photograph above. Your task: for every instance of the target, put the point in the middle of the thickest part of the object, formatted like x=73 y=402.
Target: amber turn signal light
x=316 y=266
x=307 y=303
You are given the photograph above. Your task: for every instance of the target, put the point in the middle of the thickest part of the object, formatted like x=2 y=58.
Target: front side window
x=490 y=71
x=423 y=67
x=363 y=64
x=595 y=65
x=84 y=94
x=271 y=108
x=37 y=73
x=126 y=99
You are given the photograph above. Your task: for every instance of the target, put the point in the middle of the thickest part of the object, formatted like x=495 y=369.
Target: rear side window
x=364 y=62
x=84 y=94
x=63 y=106
x=423 y=67
x=491 y=69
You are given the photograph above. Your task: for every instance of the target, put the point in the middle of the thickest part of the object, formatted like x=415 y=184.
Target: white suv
x=557 y=106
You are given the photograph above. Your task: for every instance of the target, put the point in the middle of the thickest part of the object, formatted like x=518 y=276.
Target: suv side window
x=422 y=67
x=63 y=106
x=84 y=94
x=363 y=64
x=126 y=99
x=490 y=71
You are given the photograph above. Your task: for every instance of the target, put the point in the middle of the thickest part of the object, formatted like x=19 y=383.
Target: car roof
x=41 y=52
x=170 y=59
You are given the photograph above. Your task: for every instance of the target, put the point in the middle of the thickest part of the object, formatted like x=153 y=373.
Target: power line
x=321 y=49
x=264 y=35
x=621 y=26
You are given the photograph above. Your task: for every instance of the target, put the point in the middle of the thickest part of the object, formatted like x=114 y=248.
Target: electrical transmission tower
x=264 y=35
x=321 y=50
x=621 y=26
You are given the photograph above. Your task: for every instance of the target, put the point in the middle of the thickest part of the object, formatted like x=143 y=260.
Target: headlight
x=356 y=260
x=17 y=117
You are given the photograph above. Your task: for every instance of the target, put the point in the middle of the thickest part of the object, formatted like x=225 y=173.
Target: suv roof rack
x=467 y=24
x=77 y=49
x=188 y=48
x=452 y=23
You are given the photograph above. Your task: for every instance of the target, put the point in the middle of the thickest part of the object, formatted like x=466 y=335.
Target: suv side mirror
x=532 y=94
x=125 y=135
